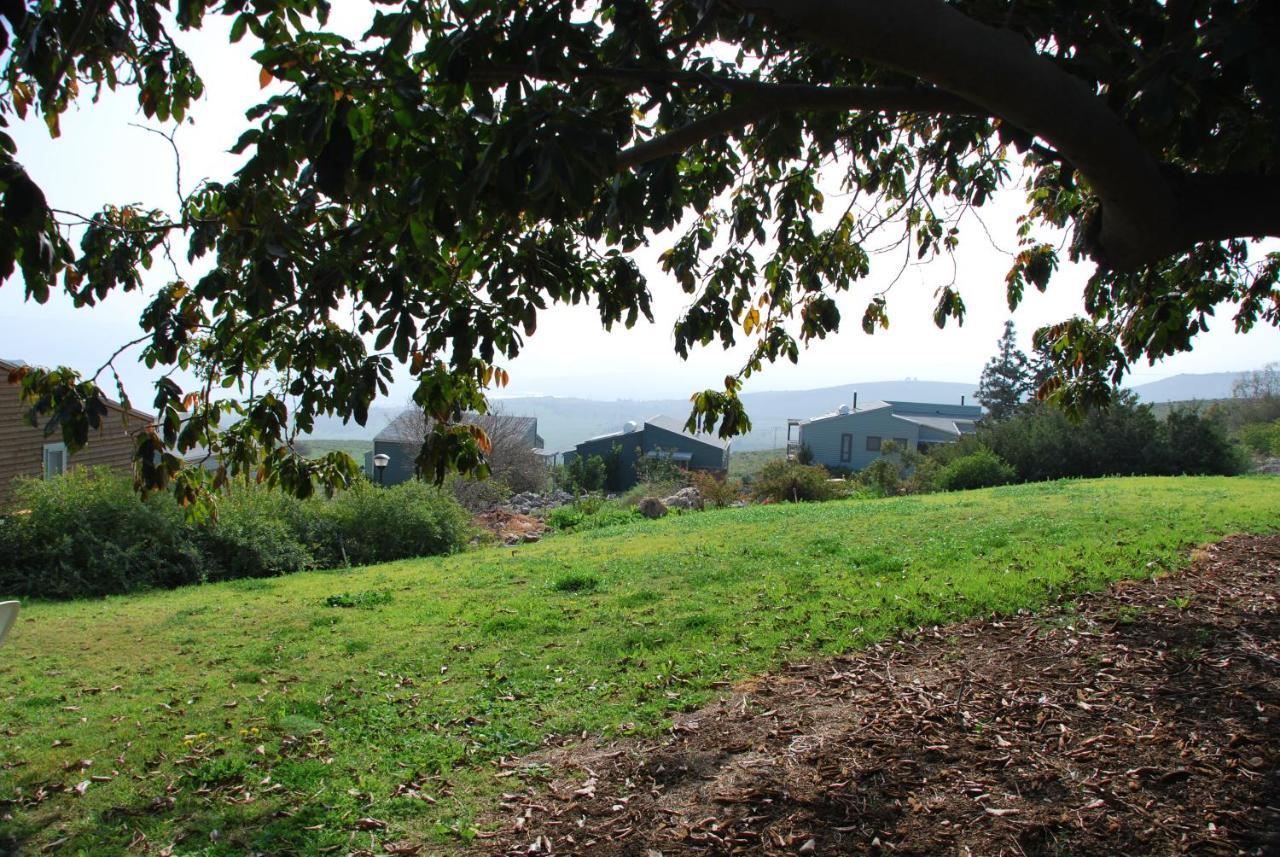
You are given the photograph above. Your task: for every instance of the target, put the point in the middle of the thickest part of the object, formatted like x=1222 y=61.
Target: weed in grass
x=576 y=582
x=366 y=600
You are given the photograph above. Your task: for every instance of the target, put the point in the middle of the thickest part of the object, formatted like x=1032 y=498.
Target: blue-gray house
x=656 y=437
x=852 y=437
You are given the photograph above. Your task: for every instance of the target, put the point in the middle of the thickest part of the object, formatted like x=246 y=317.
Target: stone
x=652 y=507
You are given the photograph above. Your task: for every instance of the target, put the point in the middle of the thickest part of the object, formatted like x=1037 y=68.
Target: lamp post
x=380 y=462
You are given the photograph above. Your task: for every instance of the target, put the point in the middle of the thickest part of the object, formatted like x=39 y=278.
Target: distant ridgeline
x=563 y=422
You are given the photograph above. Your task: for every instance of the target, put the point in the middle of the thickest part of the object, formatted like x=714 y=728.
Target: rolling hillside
x=331 y=711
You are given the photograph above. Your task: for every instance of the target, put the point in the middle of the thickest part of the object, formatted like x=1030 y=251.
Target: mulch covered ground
x=1146 y=720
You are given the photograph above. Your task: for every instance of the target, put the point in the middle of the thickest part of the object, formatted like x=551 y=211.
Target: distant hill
x=1182 y=388
x=332 y=428
x=564 y=422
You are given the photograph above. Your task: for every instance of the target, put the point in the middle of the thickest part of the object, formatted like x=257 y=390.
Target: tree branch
x=793 y=98
x=1229 y=205
x=999 y=71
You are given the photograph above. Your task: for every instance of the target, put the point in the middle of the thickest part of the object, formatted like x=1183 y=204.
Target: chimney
x=855 y=400
x=962 y=401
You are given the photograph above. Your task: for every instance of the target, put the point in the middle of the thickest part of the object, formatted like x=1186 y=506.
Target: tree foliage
x=1006 y=379
x=420 y=195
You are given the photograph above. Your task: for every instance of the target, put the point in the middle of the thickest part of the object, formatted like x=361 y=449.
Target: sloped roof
x=7 y=365
x=677 y=427
x=950 y=425
x=947 y=415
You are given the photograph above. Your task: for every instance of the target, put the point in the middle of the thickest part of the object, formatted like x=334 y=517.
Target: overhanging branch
x=1001 y=72
x=795 y=98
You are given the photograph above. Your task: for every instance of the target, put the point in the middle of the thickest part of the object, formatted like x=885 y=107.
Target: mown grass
x=274 y=715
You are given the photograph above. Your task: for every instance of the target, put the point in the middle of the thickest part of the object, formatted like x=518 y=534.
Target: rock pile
x=531 y=503
x=685 y=498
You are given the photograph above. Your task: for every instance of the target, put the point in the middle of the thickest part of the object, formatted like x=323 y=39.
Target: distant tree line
x=1125 y=438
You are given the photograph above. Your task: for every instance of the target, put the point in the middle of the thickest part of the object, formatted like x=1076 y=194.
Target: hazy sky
x=101 y=158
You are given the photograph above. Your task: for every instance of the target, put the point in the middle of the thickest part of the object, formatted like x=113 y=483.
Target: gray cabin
x=851 y=438
x=655 y=437
x=401 y=441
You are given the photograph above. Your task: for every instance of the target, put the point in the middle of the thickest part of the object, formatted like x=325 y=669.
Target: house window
x=55 y=460
x=846 y=447
x=873 y=443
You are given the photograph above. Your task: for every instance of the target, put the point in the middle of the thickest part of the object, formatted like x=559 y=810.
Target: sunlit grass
x=277 y=713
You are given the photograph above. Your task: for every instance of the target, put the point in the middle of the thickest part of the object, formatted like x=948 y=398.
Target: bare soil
x=511 y=527
x=1141 y=720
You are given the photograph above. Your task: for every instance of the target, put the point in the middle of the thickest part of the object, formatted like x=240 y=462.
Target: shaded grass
x=273 y=722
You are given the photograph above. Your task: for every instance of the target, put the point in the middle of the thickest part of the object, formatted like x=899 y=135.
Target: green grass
x=750 y=463
x=274 y=716
x=316 y=447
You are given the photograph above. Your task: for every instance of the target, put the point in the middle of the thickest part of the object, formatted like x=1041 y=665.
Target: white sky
x=101 y=159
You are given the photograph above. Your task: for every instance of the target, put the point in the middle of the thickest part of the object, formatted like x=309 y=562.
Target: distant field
x=338 y=711
x=316 y=447
x=746 y=464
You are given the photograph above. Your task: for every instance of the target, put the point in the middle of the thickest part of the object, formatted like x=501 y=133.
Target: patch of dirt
x=511 y=527
x=1142 y=720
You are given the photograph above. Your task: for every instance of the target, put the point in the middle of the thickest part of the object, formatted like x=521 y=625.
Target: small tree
x=659 y=467
x=511 y=459
x=1006 y=379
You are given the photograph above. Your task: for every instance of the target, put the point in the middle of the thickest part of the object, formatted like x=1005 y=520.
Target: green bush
x=370 y=524
x=1198 y=445
x=716 y=492
x=88 y=533
x=1261 y=438
x=791 y=482
x=590 y=513
x=979 y=469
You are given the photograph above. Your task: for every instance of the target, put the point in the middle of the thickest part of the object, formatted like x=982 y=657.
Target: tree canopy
x=435 y=185
x=1006 y=379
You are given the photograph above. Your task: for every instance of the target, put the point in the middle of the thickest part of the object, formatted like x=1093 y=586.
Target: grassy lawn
x=750 y=463
x=316 y=447
x=284 y=715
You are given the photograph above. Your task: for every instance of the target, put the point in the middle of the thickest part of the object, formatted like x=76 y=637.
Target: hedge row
x=87 y=533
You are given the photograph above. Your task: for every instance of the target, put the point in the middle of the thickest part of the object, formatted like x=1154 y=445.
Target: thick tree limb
x=999 y=71
x=1236 y=205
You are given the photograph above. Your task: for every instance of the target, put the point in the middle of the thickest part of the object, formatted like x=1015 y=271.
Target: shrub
x=88 y=533
x=1198 y=445
x=480 y=495
x=371 y=524
x=659 y=468
x=1261 y=438
x=980 y=469
x=583 y=474
x=590 y=513
x=791 y=482
x=258 y=533
x=716 y=491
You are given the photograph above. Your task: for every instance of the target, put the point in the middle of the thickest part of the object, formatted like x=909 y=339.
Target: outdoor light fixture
x=380 y=462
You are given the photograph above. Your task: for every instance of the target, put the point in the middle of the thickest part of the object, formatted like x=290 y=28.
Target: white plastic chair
x=8 y=615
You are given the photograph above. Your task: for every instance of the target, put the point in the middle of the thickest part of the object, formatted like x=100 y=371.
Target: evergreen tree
x=1006 y=379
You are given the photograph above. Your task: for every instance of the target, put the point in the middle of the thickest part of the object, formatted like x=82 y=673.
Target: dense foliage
x=981 y=468
x=1123 y=440
x=792 y=482
x=1007 y=378
x=438 y=183
x=88 y=533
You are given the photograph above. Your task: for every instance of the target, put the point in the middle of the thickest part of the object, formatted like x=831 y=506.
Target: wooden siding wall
x=22 y=446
